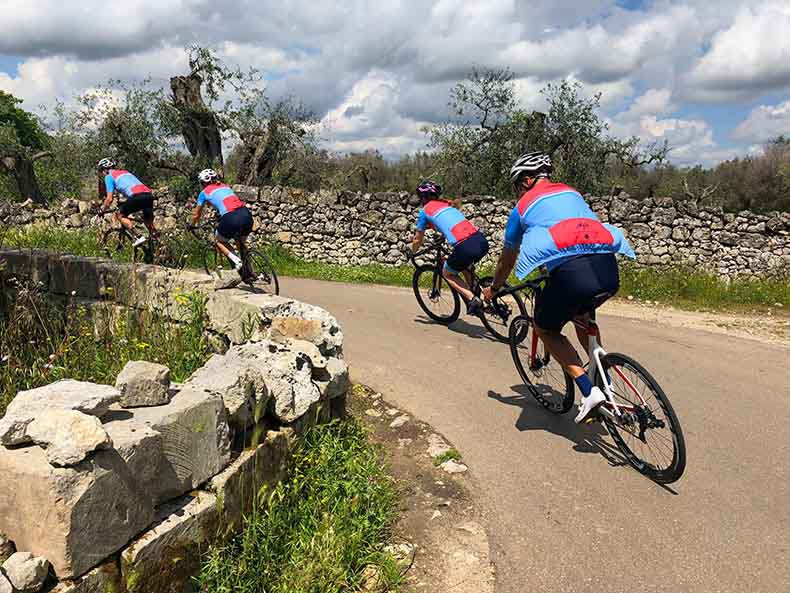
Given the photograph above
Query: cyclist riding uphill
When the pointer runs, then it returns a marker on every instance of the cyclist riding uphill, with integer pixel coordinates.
(235, 220)
(138, 197)
(553, 226)
(469, 244)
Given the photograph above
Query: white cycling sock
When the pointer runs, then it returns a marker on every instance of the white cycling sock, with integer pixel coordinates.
(235, 259)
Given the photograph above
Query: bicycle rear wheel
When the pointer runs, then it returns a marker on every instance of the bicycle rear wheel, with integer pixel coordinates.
(117, 246)
(544, 377)
(263, 276)
(498, 313)
(213, 262)
(439, 301)
(650, 437)
(170, 253)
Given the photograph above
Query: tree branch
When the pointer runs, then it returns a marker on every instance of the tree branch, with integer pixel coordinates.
(42, 155)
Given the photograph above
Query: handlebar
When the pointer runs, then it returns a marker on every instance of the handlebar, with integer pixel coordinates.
(534, 285)
(438, 244)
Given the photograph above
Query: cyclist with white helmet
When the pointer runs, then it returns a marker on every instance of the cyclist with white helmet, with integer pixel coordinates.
(138, 197)
(235, 220)
(468, 243)
(553, 226)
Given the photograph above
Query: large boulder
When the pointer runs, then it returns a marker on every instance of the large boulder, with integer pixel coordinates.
(68, 436)
(191, 444)
(288, 374)
(143, 383)
(105, 578)
(5, 584)
(68, 394)
(27, 573)
(74, 516)
(240, 484)
(167, 556)
(239, 383)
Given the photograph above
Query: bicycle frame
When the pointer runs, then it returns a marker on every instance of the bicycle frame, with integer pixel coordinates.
(610, 408)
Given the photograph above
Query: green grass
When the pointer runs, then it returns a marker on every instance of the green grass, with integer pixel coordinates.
(693, 289)
(677, 286)
(453, 454)
(43, 339)
(322, 527)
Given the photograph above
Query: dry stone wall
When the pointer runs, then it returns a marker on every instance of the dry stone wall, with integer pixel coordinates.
(118, 488)
(353, 228)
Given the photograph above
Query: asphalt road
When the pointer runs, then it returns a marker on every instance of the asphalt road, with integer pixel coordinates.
(561, 512)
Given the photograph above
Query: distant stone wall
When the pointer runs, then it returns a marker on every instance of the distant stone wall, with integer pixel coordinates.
(353, 228)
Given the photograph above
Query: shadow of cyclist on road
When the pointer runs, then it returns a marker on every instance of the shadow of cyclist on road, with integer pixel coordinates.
(463, 327)
(585, 438)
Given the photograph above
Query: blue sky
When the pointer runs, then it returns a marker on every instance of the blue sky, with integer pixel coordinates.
(711, 78)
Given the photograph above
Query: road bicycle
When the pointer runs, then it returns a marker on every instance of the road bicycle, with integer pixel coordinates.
(162, 249)
(442, 303)
(259, 270)
(637, 413)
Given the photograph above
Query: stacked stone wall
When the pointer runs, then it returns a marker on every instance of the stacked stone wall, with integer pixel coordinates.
(350, 228)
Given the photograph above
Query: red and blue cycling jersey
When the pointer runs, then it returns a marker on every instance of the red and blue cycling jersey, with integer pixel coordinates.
(449, 221)
(125, 183)
(552, 222)
(221, 197)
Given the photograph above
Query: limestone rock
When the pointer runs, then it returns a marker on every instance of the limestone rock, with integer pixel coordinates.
(339, 382)
(192, 445)
(239, 484)
(68, 436)
(241, 386)
(169, 552)
(88, 398)
(74, 516)
(27, 573)
(5, 584)
(7, 548)
(288, 375)
(143, 383)
(453, 467)
(102, 579)
(437, 445)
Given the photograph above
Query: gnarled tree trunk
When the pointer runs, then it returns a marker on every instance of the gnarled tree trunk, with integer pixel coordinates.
(21, 167)
(199, 125)
(260, 156)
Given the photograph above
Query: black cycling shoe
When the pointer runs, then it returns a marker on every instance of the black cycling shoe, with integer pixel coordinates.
(474, 307)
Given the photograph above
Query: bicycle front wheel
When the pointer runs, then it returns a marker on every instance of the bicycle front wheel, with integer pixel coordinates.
(262, 275)
(439, 301)
(648, 433)
(500, 311)
(544, 377)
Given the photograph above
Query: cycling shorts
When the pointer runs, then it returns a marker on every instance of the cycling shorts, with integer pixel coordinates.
(235, 224)
(467, 252)
(142, 202)
(578, 285)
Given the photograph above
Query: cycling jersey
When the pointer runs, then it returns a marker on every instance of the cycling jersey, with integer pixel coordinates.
(552, 222)
(447, 220)
(221, 197)
(125, 183)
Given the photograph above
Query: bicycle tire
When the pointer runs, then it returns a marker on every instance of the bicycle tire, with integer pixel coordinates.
(117, 246)
(677, 465)
(553, 388)
(263, 273)
(170, 253)
(211, 262)
(498, 313)
(434, 284)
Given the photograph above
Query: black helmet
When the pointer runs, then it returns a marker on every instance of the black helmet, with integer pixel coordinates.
(428, 189)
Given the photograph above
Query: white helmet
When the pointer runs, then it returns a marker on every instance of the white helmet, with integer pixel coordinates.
(531, 164)
(107, 163)
(208, 175)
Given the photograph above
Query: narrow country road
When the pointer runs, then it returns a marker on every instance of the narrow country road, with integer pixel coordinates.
(561, 513)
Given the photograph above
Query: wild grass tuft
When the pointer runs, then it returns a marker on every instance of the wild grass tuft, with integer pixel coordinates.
(450, 454)
(45, 338)
(322, 527)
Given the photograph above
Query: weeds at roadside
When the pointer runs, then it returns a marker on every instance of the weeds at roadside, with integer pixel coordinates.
(323, 529)
(45, 338)
(451, 454)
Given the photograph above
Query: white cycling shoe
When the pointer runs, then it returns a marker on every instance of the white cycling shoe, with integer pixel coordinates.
(139, 241)
(588, 405)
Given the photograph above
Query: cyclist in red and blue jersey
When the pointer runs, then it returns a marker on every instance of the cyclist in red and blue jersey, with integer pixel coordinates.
(235, 220)
(469, 244)
(553, 226)
(138, 197)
